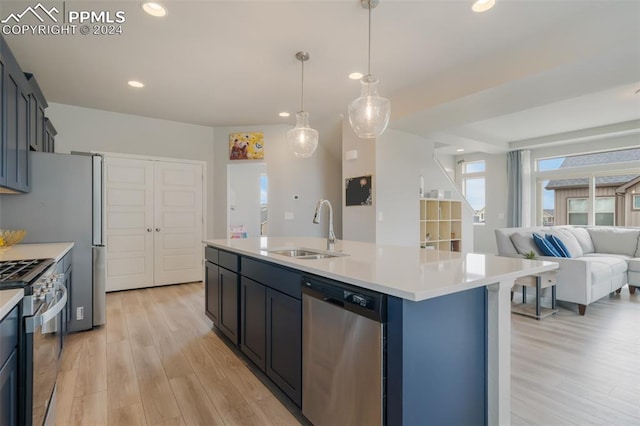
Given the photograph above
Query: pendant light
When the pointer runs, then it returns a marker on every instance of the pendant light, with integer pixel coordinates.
(302, 139)
(369, 114)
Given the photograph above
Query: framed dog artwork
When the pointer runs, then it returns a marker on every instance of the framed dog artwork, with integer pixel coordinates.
(246, 146)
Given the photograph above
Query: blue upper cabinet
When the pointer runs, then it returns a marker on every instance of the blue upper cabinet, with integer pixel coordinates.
(15, 119)
(37, 104)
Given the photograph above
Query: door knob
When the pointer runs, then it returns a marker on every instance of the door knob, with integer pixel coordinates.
(149, 229)
(157, 229)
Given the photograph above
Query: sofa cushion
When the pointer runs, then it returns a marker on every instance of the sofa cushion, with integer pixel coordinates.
(633, 278)
(569, 240)
(545, 246)
(616, 264)
(634, 265)
(608, 239)
(583, 238)
(523, 242)
(600, 272)
(558, 245)
(617, 256)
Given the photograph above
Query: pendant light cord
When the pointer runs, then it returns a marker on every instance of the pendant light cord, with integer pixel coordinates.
(302, 89)
(369, 64)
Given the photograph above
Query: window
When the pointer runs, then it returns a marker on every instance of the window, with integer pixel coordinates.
(474, 167)
(264, 211)
(612, 176)
(577, 211)
(606, 211)
(473, 187)
(596, 159)
(548, 205)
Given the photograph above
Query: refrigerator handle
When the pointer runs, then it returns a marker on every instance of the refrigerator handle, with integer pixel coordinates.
(98, 201)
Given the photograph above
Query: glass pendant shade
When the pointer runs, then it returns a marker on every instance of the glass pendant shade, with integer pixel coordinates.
(302, 139)
(369, 114)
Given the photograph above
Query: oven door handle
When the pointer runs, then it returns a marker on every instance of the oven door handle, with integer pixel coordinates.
(32, 323)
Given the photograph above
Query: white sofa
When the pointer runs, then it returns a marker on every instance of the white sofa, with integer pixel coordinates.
(603, 259)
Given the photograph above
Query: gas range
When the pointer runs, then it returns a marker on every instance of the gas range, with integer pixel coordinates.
(42, 330)
(22, 273)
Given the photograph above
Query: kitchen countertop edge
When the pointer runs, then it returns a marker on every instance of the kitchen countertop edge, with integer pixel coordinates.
(416, 296)
(30, 251)
(9, 299)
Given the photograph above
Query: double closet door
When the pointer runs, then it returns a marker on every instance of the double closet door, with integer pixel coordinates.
(153, 222)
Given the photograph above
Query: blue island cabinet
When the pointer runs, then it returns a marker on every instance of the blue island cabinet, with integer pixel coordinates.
(437, 360)
(9, 368)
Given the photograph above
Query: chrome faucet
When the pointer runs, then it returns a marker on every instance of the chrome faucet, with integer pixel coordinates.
(331, 238)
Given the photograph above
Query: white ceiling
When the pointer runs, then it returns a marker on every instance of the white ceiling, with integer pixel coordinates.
(523, 70)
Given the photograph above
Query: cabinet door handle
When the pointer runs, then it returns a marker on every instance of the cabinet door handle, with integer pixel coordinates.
(157, 229)
(149, 229)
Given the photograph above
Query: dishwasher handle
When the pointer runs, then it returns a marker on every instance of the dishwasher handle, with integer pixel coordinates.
(360, 301)
(334, 301)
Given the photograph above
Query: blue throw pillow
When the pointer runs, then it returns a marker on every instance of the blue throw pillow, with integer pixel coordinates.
(558, 245)
(545, 246)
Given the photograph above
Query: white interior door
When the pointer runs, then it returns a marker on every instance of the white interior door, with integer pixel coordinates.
(178, 222)
(129, 223)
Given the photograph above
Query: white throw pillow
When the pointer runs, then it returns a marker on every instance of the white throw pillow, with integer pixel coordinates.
(584, 239)
(608, 239)
(523, 241)
(569, 240)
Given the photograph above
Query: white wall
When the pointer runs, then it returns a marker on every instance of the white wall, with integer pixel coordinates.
(289, 177)
(85, 129)
(243, 196)
(400, 160)
(396, 160)
(358, 222)
(495, 200)
(449, 164)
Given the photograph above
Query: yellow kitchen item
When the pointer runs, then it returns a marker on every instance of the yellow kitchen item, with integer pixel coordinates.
(9, 237)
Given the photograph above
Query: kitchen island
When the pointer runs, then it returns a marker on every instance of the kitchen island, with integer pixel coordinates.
(447, 353)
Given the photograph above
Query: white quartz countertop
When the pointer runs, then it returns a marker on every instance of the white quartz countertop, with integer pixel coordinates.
(36, 251)
(409, 273)
(9, 299)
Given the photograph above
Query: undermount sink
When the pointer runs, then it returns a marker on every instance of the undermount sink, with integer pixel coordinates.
(303, 253)
(293, 252)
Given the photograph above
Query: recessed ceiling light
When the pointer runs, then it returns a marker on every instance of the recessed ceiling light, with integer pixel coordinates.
(355, 75)
(460, 150)
(483, 5)
(154, 9)
(284, 114)
(136, 84)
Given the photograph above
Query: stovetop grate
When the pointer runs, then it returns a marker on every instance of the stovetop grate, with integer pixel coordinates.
(25, 271)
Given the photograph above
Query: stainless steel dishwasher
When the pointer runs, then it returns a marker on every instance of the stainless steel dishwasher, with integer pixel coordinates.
(342, 354)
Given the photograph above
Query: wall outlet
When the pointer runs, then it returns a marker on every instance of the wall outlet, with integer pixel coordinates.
(80, 313)
(289, 216)
(380, 216)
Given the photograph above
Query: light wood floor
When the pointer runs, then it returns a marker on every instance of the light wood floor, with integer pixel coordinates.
(574, 370)
(157, 362)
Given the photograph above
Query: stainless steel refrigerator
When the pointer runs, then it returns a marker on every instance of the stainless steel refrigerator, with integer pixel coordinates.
(65, 204)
